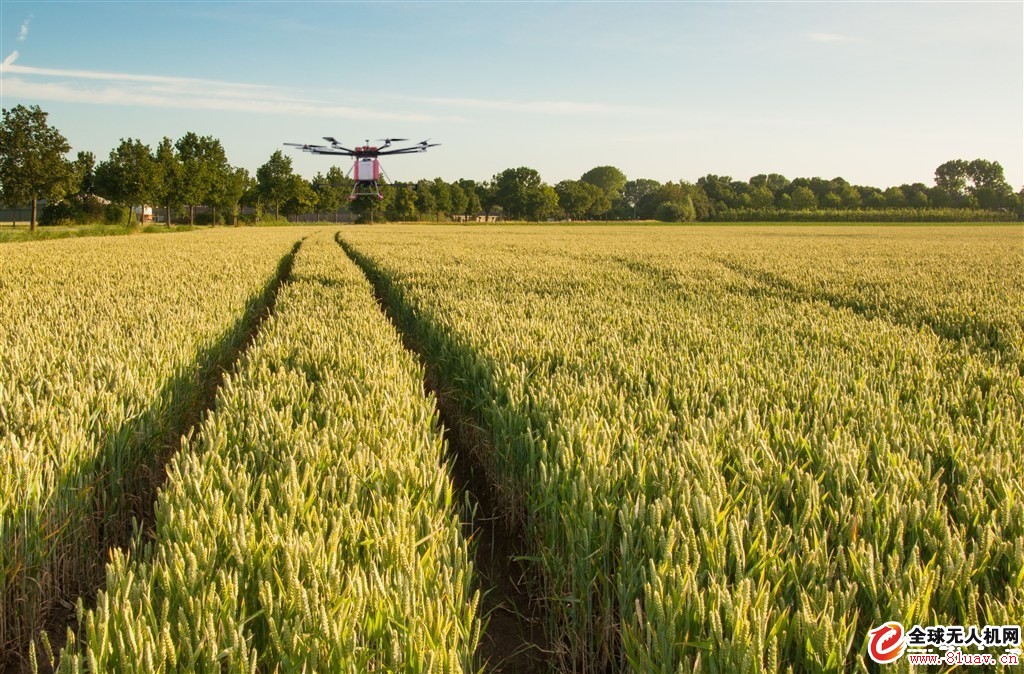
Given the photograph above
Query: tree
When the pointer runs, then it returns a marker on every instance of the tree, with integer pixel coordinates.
(403, 206)
(442, 197)
(425, 199)
(221, 175)
(676, 211)
(988, 184)
(601, 204)
(719, 189)
(203, 168)
(635, 190)
(459, 199)
(32, 161)
(700, 200)
(472, 191)
(820, 187)
(850, 196)
(236, 183)
(129, 176)
(274, 180)
(300, 196)
(951, 177)
(85, 173)
(895, 198)
(803, 199)
(328, 194)
(542, 203)
(340, 187)
(576, 198)
(191, 183)
(519, 192)
(939, 198)
(609, 180)
(916, 194)
(761, 197)
(872, 197)
(473, 203)
(168, 169)
(581, 200)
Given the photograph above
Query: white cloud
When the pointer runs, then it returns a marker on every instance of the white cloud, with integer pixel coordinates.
(190, 93)
(122, 95)
(23, 32)
(106, 88)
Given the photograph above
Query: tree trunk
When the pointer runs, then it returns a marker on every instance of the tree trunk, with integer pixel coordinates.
(32, 227)
(192, 216)
(131, 216)
(277, 210)
(167, 209)
(213, 220)
(318, 216)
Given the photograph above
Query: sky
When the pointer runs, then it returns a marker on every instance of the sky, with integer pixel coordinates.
(879, 93)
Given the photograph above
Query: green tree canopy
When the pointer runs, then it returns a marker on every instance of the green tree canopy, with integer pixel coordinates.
(85, 173)
(442, 197)
(169, 177)
(203, 170)
(895, 198)
(459, 199)
(329, 193)
(33, 165)
(473, 198)
(635, 190)
(426, 200)
(300, 196)
(542, 203)
(273, 180)
(803, 198)
(129, 176)
(236, 183)
(403, 206)
(951, 176)
(575, 197)
(761, 197)
(609, 180)
(676, 211)
(522, 194)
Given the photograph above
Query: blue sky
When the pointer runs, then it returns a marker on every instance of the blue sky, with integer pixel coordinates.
(877, 92)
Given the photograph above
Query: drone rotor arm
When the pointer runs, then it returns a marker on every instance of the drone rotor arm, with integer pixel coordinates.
(403, 150)
(320, 149)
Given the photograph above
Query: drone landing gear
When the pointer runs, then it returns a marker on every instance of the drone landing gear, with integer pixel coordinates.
(368, 188)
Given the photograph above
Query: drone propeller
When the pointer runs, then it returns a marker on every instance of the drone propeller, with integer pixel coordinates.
(332, 140)
(391, 140)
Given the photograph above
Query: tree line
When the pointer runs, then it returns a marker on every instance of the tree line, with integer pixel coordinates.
(179, 175)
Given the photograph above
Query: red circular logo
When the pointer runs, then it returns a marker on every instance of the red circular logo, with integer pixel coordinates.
(886, 643)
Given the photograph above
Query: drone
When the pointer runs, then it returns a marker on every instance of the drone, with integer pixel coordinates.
(366, 167)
